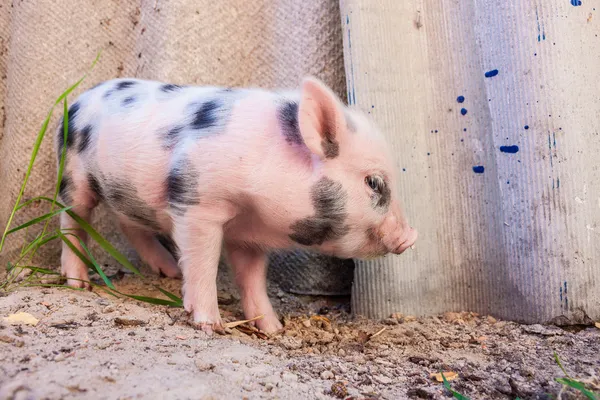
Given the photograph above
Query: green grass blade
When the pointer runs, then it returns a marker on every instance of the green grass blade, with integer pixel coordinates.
(53, 285)
(36, 148)
(117, 255)
(74, 86)
(61, 164)
(44, 271)
(171, 296)
(97, 237)
(38, 219)
(454, 393)
(39, 243)
(153, 300)
(577, 386)
(560, 365)
(28, 202)
(89, 261)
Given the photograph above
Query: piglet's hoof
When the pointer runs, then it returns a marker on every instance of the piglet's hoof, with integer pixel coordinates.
(208, 328)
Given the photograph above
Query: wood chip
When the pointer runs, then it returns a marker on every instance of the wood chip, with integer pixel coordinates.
(597, 325)
(379, 332)
(129, 322)
(21, 318)
(449, 375)
(237, 323)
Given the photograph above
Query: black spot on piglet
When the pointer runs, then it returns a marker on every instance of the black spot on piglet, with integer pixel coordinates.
(73, 111)
(128, 101)
(84, 138)
(169, 87)
(329, 200)
(169, 244)
(95, 187)
(124, 85)
(206, 115)
(65, 188)
(182, 187)
(288, 119)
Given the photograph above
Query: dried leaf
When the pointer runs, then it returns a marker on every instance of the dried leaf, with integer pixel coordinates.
(236, 323)
(21, 318)
(449, 375)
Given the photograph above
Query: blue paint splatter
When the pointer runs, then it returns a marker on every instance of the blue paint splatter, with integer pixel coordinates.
(462, 140)
(403, 169)
(478, 169)
(352, 94)
(428, 154)
(491, 73)
(560, 291)
(508, 182)
(558, 183)
(509, 149)
(372, 105)
(575, 3)
(436, 131)
(526, 127)
(464, 129)
(460, 99)
(541, 31)
(463, 111)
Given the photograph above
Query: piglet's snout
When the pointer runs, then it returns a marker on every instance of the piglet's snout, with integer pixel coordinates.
(397, 234)
(406, 241)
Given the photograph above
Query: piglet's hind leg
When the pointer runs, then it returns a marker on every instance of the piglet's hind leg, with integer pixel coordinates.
(250, 268)
(151, 250)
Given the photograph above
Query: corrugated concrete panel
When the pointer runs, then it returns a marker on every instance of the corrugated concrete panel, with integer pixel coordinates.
(493, 110)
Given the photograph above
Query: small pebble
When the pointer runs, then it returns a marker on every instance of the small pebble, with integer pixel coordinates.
(269, 387)
(390, 321)
(60, 357)
(289, 377)
(204, 366)
(384, 380)
(108, 309)
(306, 323)
(327, 375)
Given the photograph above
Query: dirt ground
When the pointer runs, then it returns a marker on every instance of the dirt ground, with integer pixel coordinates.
(90, 345)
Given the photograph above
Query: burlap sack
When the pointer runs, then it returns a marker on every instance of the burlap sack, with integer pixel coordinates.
(47, 45)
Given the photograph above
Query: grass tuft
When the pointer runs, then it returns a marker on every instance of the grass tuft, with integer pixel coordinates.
(573, 383)
(21, 273)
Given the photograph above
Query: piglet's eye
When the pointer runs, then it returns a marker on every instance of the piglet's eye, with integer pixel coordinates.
(374, 182)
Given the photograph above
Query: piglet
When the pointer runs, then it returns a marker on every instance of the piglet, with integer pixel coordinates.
(244, 170)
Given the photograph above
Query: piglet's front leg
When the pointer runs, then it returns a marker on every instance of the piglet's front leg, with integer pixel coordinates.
(200, 244)
(250, 268)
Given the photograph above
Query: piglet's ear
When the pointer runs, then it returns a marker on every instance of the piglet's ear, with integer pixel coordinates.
(321, 119)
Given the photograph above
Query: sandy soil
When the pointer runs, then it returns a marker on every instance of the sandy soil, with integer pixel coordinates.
(92, 346)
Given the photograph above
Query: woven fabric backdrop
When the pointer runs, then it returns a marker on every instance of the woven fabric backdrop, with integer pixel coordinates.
(47, 45)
